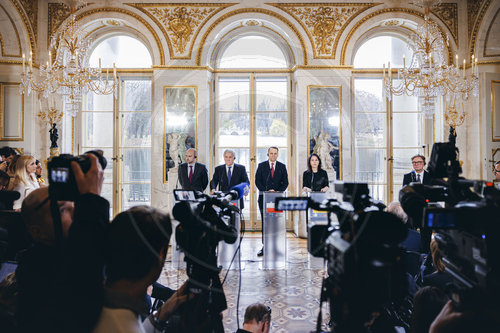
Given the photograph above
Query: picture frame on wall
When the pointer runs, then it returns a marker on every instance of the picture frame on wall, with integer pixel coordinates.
(180, 114)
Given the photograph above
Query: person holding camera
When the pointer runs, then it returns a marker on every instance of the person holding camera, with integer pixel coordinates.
(24, 179)
(60, 279)
(193, 175)
(314, 179)
(7, 155)
(418, 174)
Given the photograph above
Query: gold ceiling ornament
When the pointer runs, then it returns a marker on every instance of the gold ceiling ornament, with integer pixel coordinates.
(392, 23)
(180, 23)
(473, 7)
(448, 14)
(453, 115)
(31, 9)
(324, 22)
(65, 73)
(58, 12)
(252, 23)
(428, 75)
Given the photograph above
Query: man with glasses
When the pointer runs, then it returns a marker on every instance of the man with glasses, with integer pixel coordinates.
(418, 174)
(257, 319)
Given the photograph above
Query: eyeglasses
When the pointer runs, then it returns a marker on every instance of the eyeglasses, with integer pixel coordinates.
(417, 162)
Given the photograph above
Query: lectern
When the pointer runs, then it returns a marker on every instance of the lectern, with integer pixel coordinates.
(225, 251)
(274, 233)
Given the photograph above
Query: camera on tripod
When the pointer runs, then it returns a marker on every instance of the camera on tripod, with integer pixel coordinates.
(366, 267)
(467, 229)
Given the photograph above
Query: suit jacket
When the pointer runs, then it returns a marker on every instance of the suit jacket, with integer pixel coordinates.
(412, 177)
(200, 177)
(238, 176)
(319, 180)
(265, 182)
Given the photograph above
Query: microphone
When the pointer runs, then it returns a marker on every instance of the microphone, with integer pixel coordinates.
(238, 191)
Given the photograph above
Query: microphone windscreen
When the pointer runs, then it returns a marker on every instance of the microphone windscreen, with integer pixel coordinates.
(242, 189)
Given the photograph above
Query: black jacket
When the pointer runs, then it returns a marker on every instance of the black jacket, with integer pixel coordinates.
(238, 176)
(412, 177)
(319, 180)
(200, 177)
(265, 182)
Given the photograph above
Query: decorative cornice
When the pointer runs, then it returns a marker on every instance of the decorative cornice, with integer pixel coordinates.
(180, 23)
(473, 7)
(31, 9)
(448, 14)
(133, 15)
(251, 10)
(381, 12)
(324, 22)
(57, 13)
(11, 62)
(28, 27)
(477, 24)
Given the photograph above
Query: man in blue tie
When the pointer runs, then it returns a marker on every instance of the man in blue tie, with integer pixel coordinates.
(228, 174)
(271, 176)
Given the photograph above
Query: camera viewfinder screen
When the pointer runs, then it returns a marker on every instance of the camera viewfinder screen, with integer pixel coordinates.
(441, 219)
(59, 175)
(292, 204)
(184, 195)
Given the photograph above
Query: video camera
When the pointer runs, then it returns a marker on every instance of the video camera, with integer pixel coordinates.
(366, 267)
(467, 229)
(61, 178)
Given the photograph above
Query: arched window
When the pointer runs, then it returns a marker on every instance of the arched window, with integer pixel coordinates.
(387, 133)
(124, 51)
(252, 51)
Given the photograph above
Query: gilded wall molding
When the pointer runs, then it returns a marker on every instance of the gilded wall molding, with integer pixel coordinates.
(448, 14)
(57, 13)
(477, 24)
(31, 9)
(251, 10)
(133, 15)
(17, 37)
(29, 29)
(488, 36)
(324, 22)
(473, 7)
(381, 12)
(180, 23)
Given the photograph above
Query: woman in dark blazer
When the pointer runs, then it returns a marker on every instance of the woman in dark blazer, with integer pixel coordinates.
(314, 178)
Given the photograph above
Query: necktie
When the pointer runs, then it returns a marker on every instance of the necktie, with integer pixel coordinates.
(190, 173)
(229, 176)
(272, 170)
(418, 178)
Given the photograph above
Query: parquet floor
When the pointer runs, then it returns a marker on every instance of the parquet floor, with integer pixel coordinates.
(292, 293)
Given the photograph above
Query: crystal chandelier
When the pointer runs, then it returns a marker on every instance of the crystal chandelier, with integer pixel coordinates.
(66, 74)
(428, 76)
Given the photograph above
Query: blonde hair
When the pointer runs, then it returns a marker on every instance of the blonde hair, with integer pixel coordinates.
(437, 258)
(21, 175)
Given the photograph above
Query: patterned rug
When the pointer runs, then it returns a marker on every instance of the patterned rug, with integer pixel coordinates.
(292, 293)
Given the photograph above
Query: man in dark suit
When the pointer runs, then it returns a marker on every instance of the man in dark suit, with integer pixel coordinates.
(229, 174)
(271, 176)
(193, 175)
(418, 174)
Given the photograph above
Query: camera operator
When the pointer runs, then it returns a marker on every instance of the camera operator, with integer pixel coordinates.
(137, 247)
(60, 283)
(7, 154)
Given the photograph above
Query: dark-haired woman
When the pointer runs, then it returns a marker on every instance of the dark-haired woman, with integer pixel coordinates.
(314, 178)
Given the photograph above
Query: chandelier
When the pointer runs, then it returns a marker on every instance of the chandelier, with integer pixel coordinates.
(66, 74)
(427, 75)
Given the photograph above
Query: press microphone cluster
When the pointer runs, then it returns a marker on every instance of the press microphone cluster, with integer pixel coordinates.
(237, 192)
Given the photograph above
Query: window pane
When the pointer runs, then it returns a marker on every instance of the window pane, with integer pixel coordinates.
(369, 95)
(234, 130)
(135, 195)
(233, 94)
(136, 95)
(124, 51)
(404, 102)
(402, 163)
(271, 129)
(136, 129)
(97, 129)
(107, 193)
(96, 102)
(370, 129)
(271, 94)
(370, 165)
(253, 52)
(377, 51)
(136, 164)
(406, 129)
